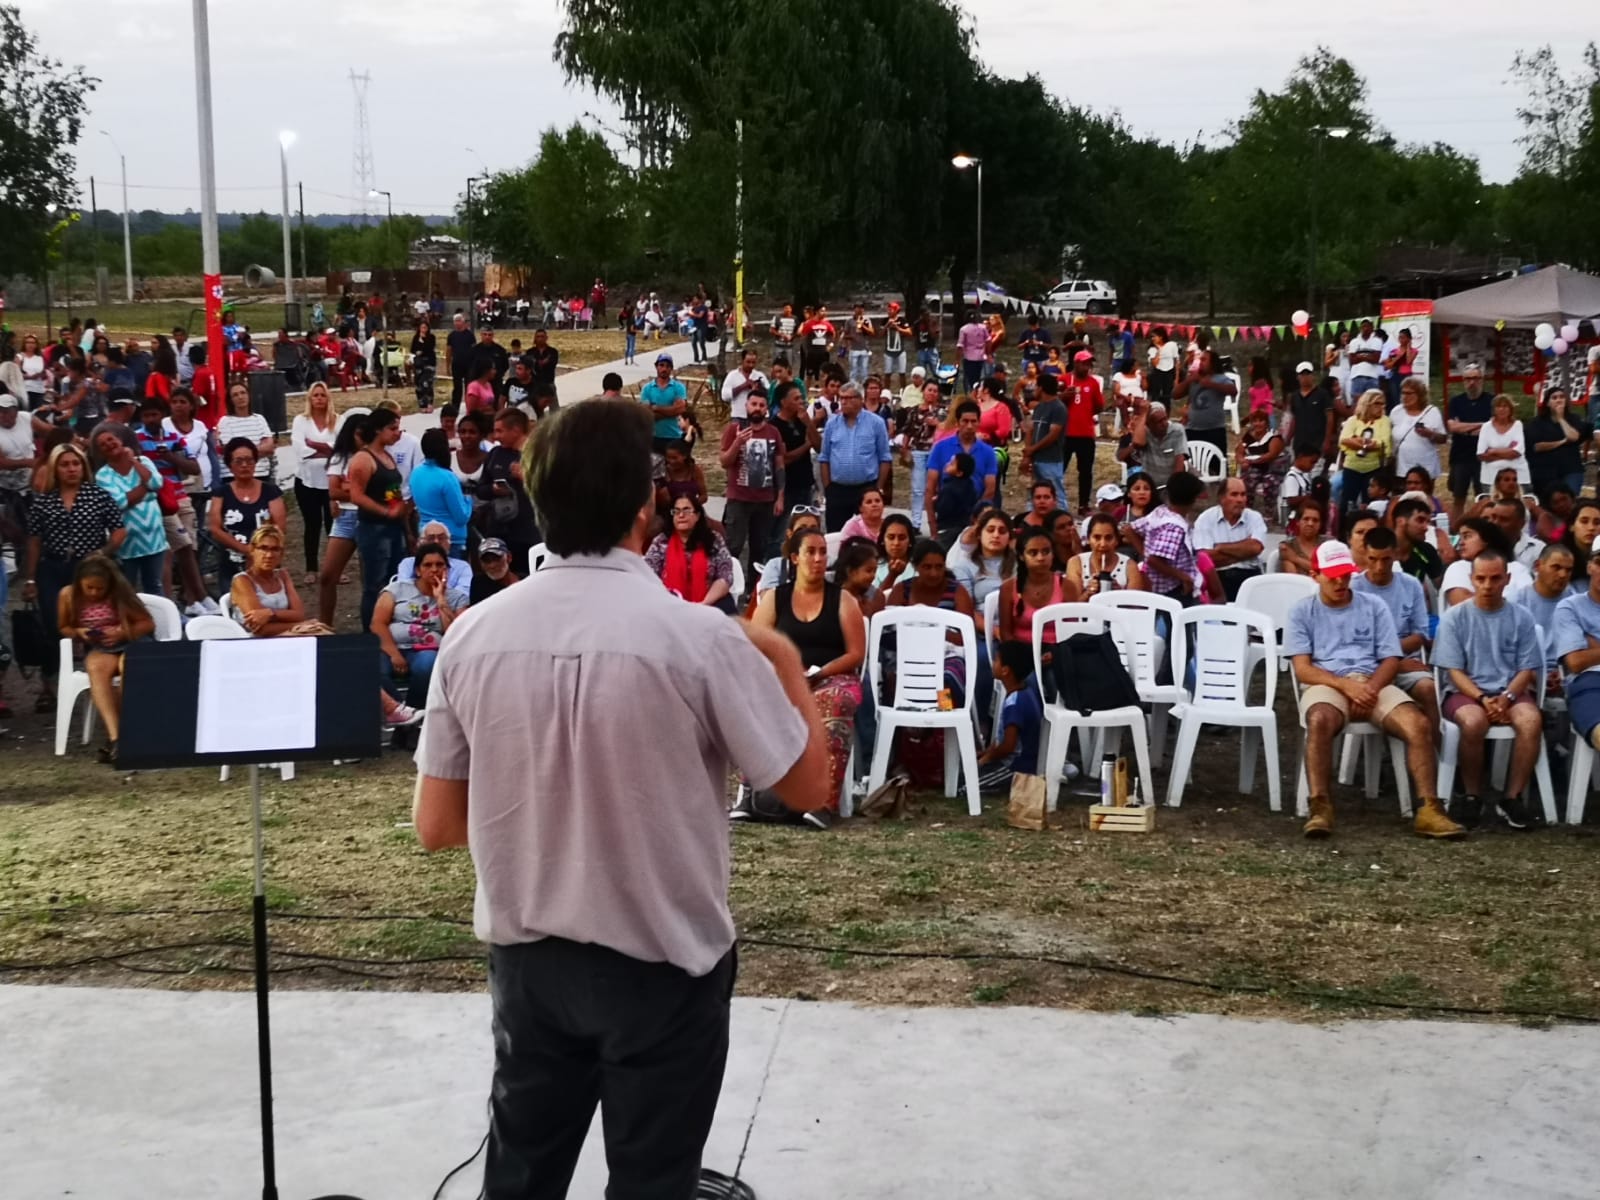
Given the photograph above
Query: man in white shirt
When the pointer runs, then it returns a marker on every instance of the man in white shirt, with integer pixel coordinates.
(1235, 535)
(736, 388)
(1366, 370)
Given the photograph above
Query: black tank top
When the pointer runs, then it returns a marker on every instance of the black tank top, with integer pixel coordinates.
(820, 640)
(382, 487)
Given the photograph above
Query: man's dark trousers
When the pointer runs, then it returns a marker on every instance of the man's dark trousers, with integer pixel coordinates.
(576, 1025)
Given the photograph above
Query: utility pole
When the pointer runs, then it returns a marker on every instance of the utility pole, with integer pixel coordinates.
(94, 229)
(738, 245)
(127, 225)
(210, 255)
(472, 307)
(285, 140)
(304, 274)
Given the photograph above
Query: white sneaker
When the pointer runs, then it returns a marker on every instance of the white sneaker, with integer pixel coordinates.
(195, 610)
(210, 607)
(403, 716)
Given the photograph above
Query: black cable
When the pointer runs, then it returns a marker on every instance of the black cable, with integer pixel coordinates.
(466, 1162)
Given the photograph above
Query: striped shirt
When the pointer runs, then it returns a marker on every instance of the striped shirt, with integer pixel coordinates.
(146, 534)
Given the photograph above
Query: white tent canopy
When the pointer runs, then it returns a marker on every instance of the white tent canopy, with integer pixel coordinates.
(1557, 295)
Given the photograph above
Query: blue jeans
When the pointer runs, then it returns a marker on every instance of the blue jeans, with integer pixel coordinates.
(697, 342)
(420, 663)
(860, 365)
(928, 360)
(919, 488)
(1054, 474)
(381, 545)
(629, 342)
(144, 572)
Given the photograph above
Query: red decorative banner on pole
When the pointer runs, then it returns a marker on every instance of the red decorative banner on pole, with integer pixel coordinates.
(216, 351)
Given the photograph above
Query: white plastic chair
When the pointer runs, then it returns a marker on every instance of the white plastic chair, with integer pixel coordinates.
(991, 639)
(1230, 404)
(1583, 773)
(169, 622)
(70, 684)
(1150, 650)
(834, 540)
(1069, 619)
(536, 557)
(1220, 637)
(738, 580)
(1369, 733)
(1497, 746)
(920, 640)
(1207, 463)
(1273, 594)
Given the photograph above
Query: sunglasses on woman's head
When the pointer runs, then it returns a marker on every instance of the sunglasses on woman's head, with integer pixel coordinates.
(806, 509)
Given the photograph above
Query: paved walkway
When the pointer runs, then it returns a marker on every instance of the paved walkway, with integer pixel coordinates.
(147, 1095)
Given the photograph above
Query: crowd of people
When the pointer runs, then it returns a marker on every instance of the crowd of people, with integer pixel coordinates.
(121, 458)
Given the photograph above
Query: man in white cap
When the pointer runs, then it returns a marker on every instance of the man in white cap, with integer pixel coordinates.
(1346, 655)
(1235, 535)
(1312, 407)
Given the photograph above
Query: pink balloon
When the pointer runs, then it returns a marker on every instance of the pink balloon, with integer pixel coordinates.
(1569, 334)
(1559, 345)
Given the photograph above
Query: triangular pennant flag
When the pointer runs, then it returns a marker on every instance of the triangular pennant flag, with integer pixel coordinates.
(1264, 332)
(1233, 332)
(1282, 330)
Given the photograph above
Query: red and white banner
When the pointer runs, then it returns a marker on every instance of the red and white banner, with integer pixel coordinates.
(1417, 316)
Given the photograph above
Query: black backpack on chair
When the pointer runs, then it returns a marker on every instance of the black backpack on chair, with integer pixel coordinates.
(1090, 675)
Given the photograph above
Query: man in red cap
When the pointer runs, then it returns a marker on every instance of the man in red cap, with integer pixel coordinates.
(1346, 654)
(896, 329)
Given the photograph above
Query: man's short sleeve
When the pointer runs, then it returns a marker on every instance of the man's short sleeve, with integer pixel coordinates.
(1297, 637)
(442, 748)
(1416, 607)
(1205, 530)
(1566, 631)
(1530, 655)
(1385, 637)
(747, 712)
(1449, 649)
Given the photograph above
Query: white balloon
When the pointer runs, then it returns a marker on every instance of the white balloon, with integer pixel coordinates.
(1544, 330)
(1559, 345)
(1300, 317)
(1569, 334)
(1544, 338)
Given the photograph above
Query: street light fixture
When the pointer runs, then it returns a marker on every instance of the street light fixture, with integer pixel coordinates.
(127, 227)
(472, 306)
(962, 162)
(285, 140)
(1324, 132)
(389, 198)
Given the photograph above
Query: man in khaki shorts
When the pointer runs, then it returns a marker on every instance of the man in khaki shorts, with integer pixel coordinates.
(1346, 654)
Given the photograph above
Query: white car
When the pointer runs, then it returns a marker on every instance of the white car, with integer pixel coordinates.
(1093, 296)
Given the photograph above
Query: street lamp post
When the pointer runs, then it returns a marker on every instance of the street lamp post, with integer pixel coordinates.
(1323, 132)
(127, 227)
(961, 162)
(389, 201)
(285, 140)
(472, 308)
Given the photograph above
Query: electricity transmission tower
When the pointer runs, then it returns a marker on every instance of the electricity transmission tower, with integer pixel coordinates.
(362, 176)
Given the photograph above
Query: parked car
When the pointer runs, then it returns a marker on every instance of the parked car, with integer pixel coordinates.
(943, 300)
(1094, 296)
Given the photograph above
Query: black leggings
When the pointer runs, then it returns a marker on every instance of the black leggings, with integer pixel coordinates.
(318, 516)
(1083, 447)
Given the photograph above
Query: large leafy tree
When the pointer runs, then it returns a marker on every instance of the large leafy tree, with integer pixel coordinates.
(42, 103)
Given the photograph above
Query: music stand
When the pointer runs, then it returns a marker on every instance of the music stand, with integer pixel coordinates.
(209, 703)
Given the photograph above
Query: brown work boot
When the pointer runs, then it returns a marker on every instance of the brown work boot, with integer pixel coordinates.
(1431, 821)
(1320, 824)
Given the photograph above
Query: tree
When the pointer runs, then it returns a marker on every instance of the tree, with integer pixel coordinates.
(42, 104)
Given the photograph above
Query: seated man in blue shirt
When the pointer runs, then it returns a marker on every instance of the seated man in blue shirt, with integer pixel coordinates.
(1346, 655)
(1404, 598)
(1490, 653)
(986, 466)
(1575, 638)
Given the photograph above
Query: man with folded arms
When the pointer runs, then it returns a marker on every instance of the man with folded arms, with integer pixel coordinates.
(1346, 655)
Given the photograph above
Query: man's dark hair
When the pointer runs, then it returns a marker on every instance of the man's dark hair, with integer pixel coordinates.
(1382, 538)
(1406, 509)
(513, 417)
(1047, 384)
(1553, 549)
(1016, 657)
(611, 382)
(1183, 489)
(781, 392)
(1490, 554)
(451, 410)
(588, 472)
(436, 448)
(781, 361)
(1361, 514)
(968, 406)
(965, 465)
(1490, 534)
(834, 372)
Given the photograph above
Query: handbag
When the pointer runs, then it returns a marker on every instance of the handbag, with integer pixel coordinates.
(170, 496)
(29, 645)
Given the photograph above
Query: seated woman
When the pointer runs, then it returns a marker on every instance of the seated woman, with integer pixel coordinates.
(1477, 535)
(982, 558)
(1555, 512)
(868, 521)
(1262, 462)
(1103, 566)
(241, 506)
(825, 624)
(1036, 584)
(778, 569)
(268, 605)
(1296, 551)
(693, 560)
(1141, 502)
(1063, 530)
(411, 618)
(1506, 487)
(101, 613)
(856, 570)
(680, 476)
(895, 540)
(933, 585)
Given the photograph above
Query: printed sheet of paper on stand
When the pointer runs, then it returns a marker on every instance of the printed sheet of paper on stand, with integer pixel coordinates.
(257, 695)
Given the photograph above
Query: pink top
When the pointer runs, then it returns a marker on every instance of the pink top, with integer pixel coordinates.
(1022, 627)
(994, 426)
(973, 339)
(1261, 396)
(856, 527)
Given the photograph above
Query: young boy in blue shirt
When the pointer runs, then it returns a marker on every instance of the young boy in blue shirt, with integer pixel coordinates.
(1016, 749)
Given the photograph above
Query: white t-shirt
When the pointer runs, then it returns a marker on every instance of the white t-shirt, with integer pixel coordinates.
(33, 371)
(1128, 385)
(1165, 356)
(195, 443)
(1412, 448)
(311, 471)
(1594, 365)
(736, 400)
(407, 453)
(1459, 575)
(1211, 529)
(1358, 370)
(17, 442)
(1490, 438)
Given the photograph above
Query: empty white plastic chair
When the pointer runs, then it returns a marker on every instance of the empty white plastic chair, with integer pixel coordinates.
(1231, 404)
(1583, 773)
(1219, 637)
(991, 639)
(738, 580)
(1497, 747)
(1150, 651)
(536, 557)
(920, 640)
(169, 622)
(200, 629)
(834, 540)
(1273, 595)
(1207, 462)
(1069, 619)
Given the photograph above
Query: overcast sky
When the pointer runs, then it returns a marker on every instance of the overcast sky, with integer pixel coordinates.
(478, 73)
